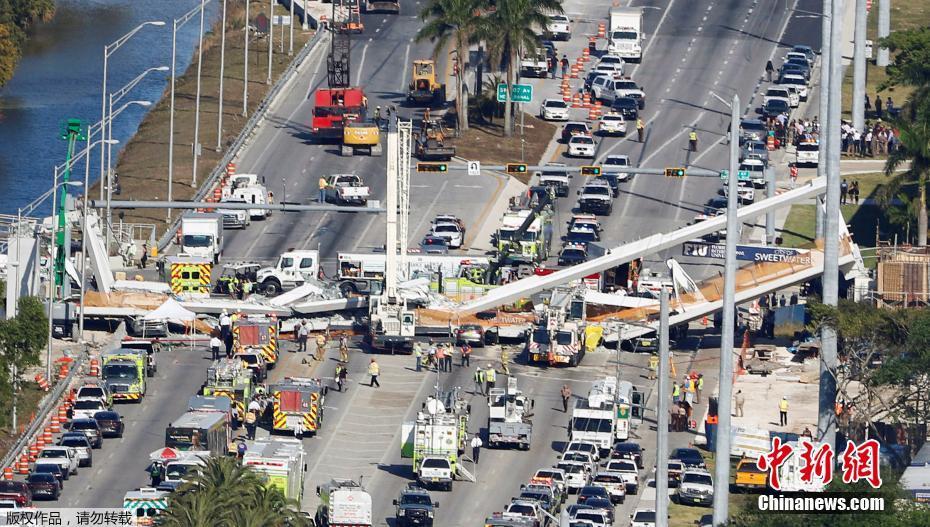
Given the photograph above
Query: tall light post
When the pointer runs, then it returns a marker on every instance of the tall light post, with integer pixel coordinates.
(270, 38)
(724, 396)
(245, 64)
(107, 51)
(219, 113)
(858, 98)
(113, 98)
(50, 285)
(290, 46)
(662, 414)
(197, 100)
(884, 29)
(178, 22)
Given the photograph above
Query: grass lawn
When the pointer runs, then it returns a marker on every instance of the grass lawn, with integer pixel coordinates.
(904, 15)
(686, 515)
(486, 143)
(29, 397)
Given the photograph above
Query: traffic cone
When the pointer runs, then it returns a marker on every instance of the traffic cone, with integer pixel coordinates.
(42, 381)
(56, 424)
(576, 101)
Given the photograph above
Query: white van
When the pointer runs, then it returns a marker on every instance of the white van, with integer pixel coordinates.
(253, 194)
(808, 153)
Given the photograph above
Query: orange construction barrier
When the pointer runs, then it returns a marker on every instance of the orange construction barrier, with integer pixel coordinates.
(33, 452)
(230, 169)
(94, 368)
(704, 320)
(62, 413)
(601, 30)
(566, 97)
(47, 436)
(22, 466)
(62, 371)
(40, 443)
(8, 473)
(576, 101)
(585, 55)
(56, 424)
(586, 98)
(42, 381)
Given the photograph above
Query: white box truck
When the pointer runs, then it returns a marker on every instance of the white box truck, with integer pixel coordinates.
(281, 461)
(343, 503)
(625, 33)
(202, 235)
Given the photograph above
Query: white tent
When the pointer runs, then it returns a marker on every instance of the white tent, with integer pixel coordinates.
(171, 310)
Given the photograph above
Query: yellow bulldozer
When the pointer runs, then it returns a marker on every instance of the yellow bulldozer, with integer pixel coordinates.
(423, 87)
(360, 134)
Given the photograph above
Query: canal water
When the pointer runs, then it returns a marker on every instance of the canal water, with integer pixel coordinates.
(60, 77)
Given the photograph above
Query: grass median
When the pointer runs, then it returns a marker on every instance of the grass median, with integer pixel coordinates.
(485, 142)
(143, 164)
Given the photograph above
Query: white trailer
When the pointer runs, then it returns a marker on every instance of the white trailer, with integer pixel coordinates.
(364, 273)
(625, 33)
(202, 235)
(343, 503)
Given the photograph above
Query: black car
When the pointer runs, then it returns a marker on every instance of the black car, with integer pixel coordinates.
(574, 128)
(602, 505)
(775, 107)
(628, 450)
(689, 457)
(53, 469)
(592, 491)
(17, 491)
(110, 423)
(91, 429)
(572, 255)
(414, 507)
(628, 107)
(44, 484)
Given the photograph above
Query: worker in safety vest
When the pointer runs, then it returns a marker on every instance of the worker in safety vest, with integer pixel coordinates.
(676, 392)
(323, 186)
(374, 370)
(490, 377)
(320, 346)
(692, 141)
(783, 411)
(505, 361)
(479, 381)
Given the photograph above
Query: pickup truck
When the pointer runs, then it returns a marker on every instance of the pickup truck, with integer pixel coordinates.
(527, 509)
(626, 469)
(613, 483)
(534, 64)
(347, 189)
(596, 198)
(85, 408)
(559, 27)
(749, 476)
(435, 470)
(63, 456)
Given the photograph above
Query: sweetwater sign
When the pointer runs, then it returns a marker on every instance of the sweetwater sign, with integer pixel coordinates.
(749, 253)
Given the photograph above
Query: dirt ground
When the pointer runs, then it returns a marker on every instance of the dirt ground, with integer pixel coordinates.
(143, 164)
(486, 143)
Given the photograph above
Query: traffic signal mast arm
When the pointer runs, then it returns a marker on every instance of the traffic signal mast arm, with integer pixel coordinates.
(689, 171)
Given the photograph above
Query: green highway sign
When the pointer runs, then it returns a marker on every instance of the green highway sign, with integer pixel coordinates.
(741, 175)
(518, 92)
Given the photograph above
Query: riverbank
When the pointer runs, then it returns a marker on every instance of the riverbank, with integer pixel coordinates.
(16, 19)
(143, 164)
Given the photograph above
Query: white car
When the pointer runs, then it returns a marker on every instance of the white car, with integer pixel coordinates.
(451, 232)
(798, 81)
(612, 123)
(81, 445)
(560, 27)
(756, 169)
(85, 408)
(798, 55)
(781, 93)
(576, 474)
(745, 191)
(586, 447)
(583, 457)
(615, 164)
(63, 456)
(9, 504)
(581, 146)
(613, 483)
(557, 476)
(615, 62)
(553, 110)
(643, 518)
(590, 518)
(628, 471)
(697, 487)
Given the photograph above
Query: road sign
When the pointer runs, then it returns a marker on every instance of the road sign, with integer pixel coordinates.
(474, 168)
(741, 175)
(749, 253)
(282, 20)
(518, 92)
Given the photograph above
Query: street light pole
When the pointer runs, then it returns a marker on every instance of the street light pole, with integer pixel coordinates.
(884, 29)
(270, 38)
(826, 45)
(219, 121)
(197, 100)
(290, 46)
(858, 98)
(245, 65)
(662, 416)
(722, 451)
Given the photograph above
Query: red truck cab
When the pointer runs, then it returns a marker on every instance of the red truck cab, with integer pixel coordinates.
(333, 107)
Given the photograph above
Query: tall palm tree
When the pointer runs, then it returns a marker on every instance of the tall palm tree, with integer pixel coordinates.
(914, 146)
(512, 29)
(452, 22)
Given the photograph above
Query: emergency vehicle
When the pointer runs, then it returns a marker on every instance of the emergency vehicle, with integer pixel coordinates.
(364, 273)
(298, 405)
(188, 275)
(533, 246)
(230, 378)
(257, 333)
(145, 504)
(436, 441)
(123, 372)
(343, 503)
(282, 464)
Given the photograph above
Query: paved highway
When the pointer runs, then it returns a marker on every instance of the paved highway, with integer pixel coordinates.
(693, 47)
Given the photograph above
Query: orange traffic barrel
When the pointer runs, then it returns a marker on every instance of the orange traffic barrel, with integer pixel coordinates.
(8, 473)
(42, 381)
(22, 466)
(56, 424)
(47, 436)
(576, 101)
(33, 451)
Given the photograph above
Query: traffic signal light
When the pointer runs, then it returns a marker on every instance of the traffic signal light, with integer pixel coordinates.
(591, 170)
(636, 403)
(675, 172)
(516, 168)
(432, 167)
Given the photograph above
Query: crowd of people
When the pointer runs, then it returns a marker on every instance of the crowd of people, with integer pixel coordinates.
(876, 139)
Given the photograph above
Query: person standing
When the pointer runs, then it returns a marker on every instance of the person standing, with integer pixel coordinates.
(323, 184)
(782, 301)
(692, 141)
(889, 106)
(783, 411)
(225, 325)
(251, 417)
(878, 106)
(466, 355)
(676, 392)
(440, 358)
(155, 473)
(490, 377)
(868, 104)
(374, 370)
(215, 344)
(505, 361)
(145, 256)
(320, 346)
(479, 381)
(640, 129)
(855, 192)
(338, 377)
(566, 394)
(418, 355)
(844, 191)
(450, 356)
(476, 447)
(700, 388)
(303, 332)
(793, 174)
(769, 70)
(739, 400)
(343, 349)
(343, 377)
(564, 63)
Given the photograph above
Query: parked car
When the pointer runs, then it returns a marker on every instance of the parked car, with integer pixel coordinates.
(471, 333)
(453, 234)
(434, 245)
(109, 423)
(626, 106)
(592, 491)
(44, 484)
(689, 457)
(53, 469)
(643, 518)
(553, 110)
(697, 487)
(581, 146)
(86, 408)
(573, 128)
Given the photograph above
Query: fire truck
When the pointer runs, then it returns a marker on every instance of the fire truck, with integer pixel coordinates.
(257, 333)
(298, 405)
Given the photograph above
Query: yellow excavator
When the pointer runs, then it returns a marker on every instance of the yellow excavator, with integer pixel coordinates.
(359, 134)
(423, 88)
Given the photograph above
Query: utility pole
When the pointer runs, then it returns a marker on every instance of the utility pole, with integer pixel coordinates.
(858, 98)
(884, 29)
(825, 88)
(826, 420)
(270, 38)
(770, 215)
(662, 415)
(290, 46)
(197, 101)
(305, 26)
(722, 451)
(245, 65)
(219, 113)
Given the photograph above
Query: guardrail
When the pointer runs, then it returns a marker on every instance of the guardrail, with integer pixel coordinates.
(257, 116)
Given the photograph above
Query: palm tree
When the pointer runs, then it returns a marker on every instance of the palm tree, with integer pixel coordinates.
(223, 493)
(512, 29)
(455, 22)
(914, 146)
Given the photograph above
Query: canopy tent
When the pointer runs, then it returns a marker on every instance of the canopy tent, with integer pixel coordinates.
(171, 310)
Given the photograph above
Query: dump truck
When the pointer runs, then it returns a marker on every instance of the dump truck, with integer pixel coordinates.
(430, 142)
(230, 378)
(123, 372)
(257, 333)
(343, 503)
(509, 416)
(145, 504)
(282, 464)
(424, 88)
(437, 439)
(298, 405)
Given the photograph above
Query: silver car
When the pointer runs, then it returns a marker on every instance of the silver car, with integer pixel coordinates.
(79, 442)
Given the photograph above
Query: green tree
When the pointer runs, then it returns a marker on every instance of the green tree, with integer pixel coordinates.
(913, 146)
(16, 16)
(509, 31)
(910, 51)
(223, 493)
(22, 339)
(452, 22)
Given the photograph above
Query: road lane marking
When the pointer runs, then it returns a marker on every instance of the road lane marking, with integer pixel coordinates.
(428, 209)
(403, 78)
(361, 65)
(472, 232)
(364, 232)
